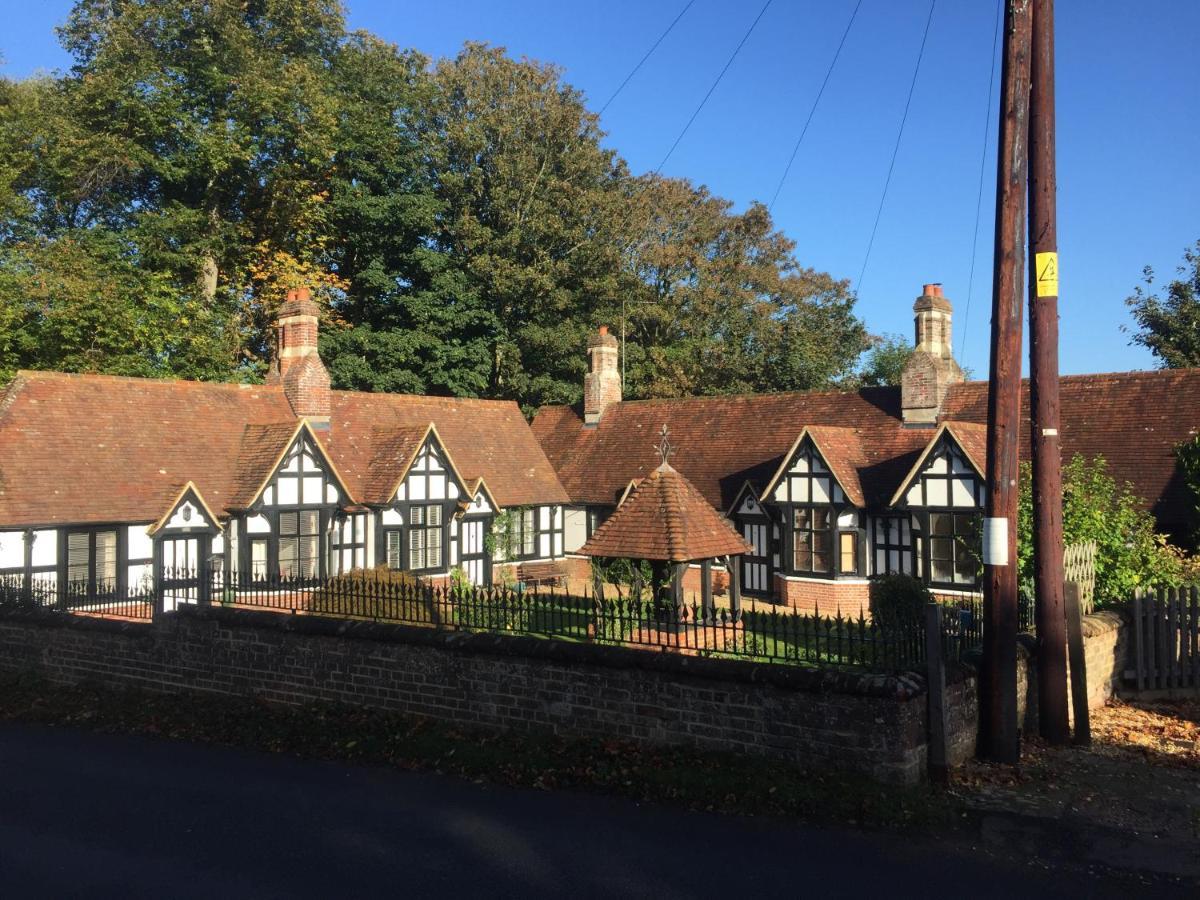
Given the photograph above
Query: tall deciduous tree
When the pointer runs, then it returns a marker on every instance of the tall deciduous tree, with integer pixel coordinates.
(527, 208)
(221, 113)
(717, 302)
(1169, 326)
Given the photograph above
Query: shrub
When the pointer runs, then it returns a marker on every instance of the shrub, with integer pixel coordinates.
(1129, 553)
(370, 593)
(898, 602)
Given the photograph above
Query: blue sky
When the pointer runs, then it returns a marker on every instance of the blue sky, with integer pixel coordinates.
(1129, 131)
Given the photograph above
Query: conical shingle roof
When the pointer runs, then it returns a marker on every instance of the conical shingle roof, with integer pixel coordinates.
(665, 518)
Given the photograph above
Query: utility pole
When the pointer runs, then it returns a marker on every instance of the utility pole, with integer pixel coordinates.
(998, 690)
(1050, 611)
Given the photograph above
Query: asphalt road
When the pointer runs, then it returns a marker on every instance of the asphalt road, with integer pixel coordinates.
(86, 815)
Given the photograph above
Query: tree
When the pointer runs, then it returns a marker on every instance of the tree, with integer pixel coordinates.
(83, 302)
(1169, 327)
(528, 206)
(221, 120)
(463, 222)
(415, 323)
(717, 302)
(885, 361)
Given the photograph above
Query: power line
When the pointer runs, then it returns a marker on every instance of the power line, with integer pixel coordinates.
(987, 122)
(728, 63)
(896, 150)
(649, 53)
(812, 112)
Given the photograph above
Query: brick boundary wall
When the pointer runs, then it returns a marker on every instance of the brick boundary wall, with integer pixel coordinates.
(868, 723)
(873, 724)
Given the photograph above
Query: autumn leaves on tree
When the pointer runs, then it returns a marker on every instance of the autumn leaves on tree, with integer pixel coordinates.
(462, 222)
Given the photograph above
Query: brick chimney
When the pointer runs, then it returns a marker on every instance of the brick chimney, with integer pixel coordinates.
(297, 365)
(932, 369)
(602, 384)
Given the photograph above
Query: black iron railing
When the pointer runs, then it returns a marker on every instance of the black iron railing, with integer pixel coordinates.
(760, 633)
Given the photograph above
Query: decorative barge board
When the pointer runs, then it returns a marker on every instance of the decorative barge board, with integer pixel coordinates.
(418, 528)
(874, 488)
(761, 533)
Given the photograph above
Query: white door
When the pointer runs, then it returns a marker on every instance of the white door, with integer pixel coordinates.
(473, 558)
(180, 571)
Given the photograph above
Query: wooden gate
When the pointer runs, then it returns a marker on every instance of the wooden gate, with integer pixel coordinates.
(1166, 639)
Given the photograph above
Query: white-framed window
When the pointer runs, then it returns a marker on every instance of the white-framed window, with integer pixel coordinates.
(92, 561)
(299, 543)
(522, 532)
(425, 538)
(812, 539)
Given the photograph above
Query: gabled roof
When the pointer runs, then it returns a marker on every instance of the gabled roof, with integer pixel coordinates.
(723, 442)
(843, 454)
(665, 518)
(100, 448)
(263, 449)
(188, 489)
(1134, 419)
(395, 452)
(971, 439)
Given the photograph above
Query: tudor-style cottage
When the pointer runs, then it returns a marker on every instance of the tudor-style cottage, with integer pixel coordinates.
(111, 483)
(832, 487)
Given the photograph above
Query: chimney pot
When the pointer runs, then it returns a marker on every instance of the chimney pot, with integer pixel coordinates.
(932, 290)
(604, 329)
(303, 295)
(291, 295)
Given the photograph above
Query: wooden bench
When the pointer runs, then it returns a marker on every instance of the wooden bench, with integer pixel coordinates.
(550, 574)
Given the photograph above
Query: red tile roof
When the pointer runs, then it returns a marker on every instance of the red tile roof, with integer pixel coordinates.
(1134, 419)
(665, 518)
(98, 448)
(722, 442)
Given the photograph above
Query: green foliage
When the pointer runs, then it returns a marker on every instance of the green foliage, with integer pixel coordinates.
(82, 302)
(1169, 327)
(885, 361)
(378, 593)
(1188, 454)
(898, 602)
(1129, 553)
(462, 221)
(631, 577)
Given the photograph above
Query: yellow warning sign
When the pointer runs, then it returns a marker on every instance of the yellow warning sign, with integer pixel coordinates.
(1046, 266)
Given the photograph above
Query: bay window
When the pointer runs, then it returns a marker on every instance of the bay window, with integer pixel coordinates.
(812, 539)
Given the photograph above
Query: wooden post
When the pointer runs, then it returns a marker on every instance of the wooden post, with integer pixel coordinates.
(706, 589)
(1043, 385)
(735, 586)
(998, 687)
(935, 676)
(1079, 691)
